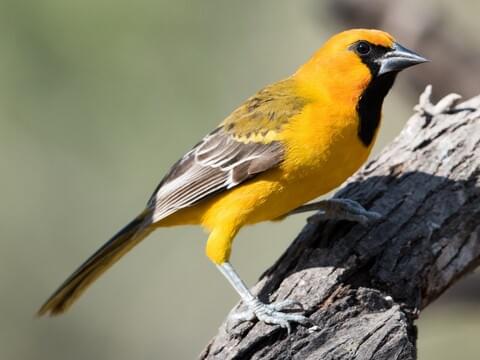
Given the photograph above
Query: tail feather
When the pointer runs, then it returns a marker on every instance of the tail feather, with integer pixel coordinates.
(96, 265)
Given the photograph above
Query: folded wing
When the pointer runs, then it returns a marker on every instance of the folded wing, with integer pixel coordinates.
(245, 145)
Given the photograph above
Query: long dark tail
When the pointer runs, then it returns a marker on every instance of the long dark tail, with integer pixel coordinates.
(96, 265)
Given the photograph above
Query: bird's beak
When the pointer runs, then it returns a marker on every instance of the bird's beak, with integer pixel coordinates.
(398, 59)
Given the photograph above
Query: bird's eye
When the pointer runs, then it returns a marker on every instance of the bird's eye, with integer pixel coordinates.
(363, 48)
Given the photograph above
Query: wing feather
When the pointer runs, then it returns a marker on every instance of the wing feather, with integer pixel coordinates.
(230, 155)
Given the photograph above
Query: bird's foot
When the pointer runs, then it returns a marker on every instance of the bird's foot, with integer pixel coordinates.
(345, 209)
(274, 314)
(446, 105)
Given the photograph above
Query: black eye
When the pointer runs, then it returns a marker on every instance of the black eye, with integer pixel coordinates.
(363, 48)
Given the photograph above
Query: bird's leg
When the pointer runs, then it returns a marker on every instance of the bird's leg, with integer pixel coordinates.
(268, 313)
(338, 209)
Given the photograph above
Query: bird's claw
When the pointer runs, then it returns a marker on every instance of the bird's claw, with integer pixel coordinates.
(346, 209)
(356, 212)
(287, 304)
(273, 313)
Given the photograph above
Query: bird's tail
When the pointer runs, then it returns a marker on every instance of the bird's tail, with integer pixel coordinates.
(96, 265)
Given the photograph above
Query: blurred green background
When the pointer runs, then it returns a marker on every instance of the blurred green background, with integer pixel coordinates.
(97, 100)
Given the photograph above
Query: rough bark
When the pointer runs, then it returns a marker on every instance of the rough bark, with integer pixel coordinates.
(365, 286)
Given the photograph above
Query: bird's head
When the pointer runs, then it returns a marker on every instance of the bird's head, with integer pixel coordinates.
(357, 57)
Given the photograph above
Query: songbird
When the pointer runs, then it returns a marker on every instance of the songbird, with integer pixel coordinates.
(286, 145)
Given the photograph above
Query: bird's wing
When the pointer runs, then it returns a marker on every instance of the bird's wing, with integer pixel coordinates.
(245, 144)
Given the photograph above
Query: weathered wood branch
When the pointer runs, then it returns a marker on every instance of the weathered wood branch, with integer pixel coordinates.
(364, 287)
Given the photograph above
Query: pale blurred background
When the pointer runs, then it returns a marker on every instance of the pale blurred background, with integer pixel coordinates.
(99, 98)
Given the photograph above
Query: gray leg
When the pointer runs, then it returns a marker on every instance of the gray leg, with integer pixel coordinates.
(268, 313)
(338, 209)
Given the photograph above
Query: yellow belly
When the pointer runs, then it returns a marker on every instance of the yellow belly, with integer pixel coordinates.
(317, 160)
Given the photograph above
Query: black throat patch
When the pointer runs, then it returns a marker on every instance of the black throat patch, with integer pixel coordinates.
(369, 106)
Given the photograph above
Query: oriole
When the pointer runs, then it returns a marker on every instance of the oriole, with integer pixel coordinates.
(286, 145)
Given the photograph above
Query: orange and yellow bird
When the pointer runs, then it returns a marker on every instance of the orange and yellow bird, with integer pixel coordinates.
(286, 145)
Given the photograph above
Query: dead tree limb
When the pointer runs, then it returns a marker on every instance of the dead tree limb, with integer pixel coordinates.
(364, 287)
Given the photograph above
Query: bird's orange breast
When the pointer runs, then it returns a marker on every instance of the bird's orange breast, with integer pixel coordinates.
(322, 150)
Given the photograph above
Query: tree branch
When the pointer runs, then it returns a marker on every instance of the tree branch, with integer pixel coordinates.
(364, 287)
